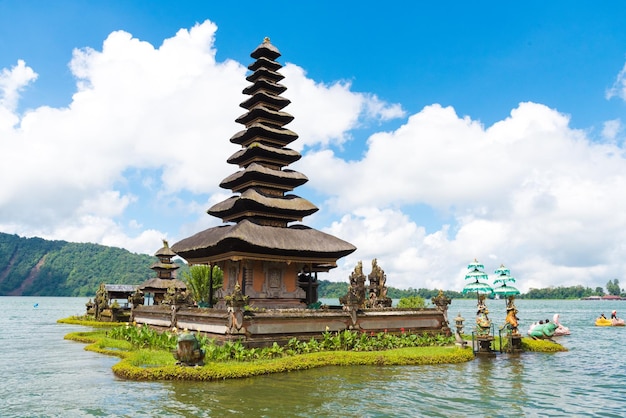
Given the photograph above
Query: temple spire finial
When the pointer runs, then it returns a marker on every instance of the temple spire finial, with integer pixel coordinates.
(266, 40)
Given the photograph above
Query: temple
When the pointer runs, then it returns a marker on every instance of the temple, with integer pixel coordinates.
(158, 286)
(273, 259)
(269, 259)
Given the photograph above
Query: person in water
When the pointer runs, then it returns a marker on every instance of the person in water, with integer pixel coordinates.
(614, 315)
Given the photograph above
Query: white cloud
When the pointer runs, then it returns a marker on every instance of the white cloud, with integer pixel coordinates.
(619, 86)
(12, 82)
(109, 203)
(324, 114)
(611, 129)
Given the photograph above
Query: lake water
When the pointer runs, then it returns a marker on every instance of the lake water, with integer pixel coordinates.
(43, 375)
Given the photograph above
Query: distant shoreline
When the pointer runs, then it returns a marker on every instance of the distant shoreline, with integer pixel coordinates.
(606, 297)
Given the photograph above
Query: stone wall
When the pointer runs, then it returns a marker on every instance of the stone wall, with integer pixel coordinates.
(263, 327)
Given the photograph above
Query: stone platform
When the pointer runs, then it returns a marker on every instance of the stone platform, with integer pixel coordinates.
(264, 327)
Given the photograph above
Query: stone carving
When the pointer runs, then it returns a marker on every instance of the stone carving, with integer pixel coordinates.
(233, 273)
(483, 323)
(101, 302)
(237, 299)
(188, 351)
(90, 307)
(378, 288)
(274, 286)
(136, 298)
(235, 306)
(511, 321)
(177, 297)
(274, 283)
(356, 289)
(442, 302)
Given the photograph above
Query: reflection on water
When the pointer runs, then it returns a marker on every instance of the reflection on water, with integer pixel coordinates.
(44, 375)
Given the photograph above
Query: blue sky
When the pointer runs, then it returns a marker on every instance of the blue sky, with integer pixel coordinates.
(432, 134)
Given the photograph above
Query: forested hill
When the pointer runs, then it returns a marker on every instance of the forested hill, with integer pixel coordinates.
(34, 266)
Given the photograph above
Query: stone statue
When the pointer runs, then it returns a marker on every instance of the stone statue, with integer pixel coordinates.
(235, 304)
(174, 296)
(90, 307)
(101, 301)
(483, 323)
(378, 288)
(511, 321)
(188, 351)
(136, 298)
(441, 301)
(356, 289)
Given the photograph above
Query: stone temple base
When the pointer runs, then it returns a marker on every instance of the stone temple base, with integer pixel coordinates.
(264, 327)
(515, 343)
(268, 303)
(483, 345)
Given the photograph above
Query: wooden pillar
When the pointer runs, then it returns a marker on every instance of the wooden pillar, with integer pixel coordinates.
(210, 285)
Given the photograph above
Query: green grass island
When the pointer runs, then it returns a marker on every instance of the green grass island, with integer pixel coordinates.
(147, 355)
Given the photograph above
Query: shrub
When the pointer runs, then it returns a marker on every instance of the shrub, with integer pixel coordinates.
(412, 302)
(198, 281)
(544, 346)
(144, 337)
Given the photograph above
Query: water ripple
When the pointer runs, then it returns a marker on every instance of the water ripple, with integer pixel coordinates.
(46, 376)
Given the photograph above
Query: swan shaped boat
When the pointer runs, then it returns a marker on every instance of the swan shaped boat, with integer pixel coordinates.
(560, 328)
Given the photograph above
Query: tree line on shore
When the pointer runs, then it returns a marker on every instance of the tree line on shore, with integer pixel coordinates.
(39, 267)
(337, 289)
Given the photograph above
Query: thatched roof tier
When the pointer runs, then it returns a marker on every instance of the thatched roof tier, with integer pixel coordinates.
(252, 204)
(256, 175)
(262, 97)
(266, 50)
(263, 73)
(265, 155)
(165, 251)
(262, 114)
(159, 285)
(164, 266)
(264, 134)
(266, 86)
(247, 240)
(263, 62)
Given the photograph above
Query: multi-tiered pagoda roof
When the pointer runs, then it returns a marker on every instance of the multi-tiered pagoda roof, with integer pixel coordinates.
(262, 207)
(164, 269)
